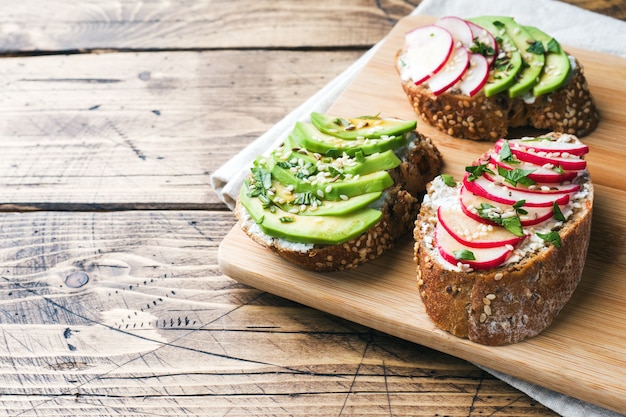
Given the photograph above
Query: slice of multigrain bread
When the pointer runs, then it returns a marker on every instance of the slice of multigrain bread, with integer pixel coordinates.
(421, 162)
(569, 109)
(520, 297)
(497, 74)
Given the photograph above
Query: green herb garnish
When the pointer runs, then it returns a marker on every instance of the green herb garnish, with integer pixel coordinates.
(463, 255)
(377, 116)
(505, 153)
(481, 48)
(476, 171)
(553, 46)
(516, 176)
(335, 172)
(307, 198)
(551, 237)
(558, 214)
(536, 48)
(287, 219)
(448, 180)
(518, 207)
(342, 122)
(513, 223)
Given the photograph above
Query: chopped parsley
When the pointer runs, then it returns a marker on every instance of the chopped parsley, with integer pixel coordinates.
(516, 176)
(503, 64)
(505, 153)
(481, 48)
(335, 172)
(558, 214)
(464, 255)
(518, 207)
(306, 198)
(551, 237)
(341, 122)
(334, 153)
(536, 48)
(375, 117)
(448, 180)
(553, 46)
(261, 177)
(476, 171)
(287, 219)
(512, 223)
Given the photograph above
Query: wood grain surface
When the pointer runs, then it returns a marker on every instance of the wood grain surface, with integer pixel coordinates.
(113, 115)
(580, 351)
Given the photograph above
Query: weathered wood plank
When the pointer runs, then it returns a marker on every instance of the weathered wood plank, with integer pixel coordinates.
(65, 25)
(127, 312)
(32, 26)
(141, 129)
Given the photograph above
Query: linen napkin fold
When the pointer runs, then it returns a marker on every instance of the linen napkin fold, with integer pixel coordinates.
(569, 24)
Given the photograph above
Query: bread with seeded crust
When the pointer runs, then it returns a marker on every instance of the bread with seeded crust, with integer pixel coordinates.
(570, 109)
(509, 303)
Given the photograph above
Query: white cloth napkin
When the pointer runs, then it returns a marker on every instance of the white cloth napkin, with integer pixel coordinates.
(569, 24)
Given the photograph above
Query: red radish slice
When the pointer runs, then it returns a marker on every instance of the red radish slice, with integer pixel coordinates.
(473, 233)
(459, 28)
(572, 148)
(485, 258)
(536, 188)
(476, 75)
(550, 158)
(451, 73)
(483, 36)
(469, 203)
(541, 174)
(428, 50)
(501, 194)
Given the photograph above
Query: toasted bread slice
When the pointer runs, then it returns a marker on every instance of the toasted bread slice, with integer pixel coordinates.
(570, 109)
(515, 300)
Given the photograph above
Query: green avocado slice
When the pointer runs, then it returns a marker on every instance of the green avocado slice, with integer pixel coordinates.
(359, 127)
(506, 68)
(557, 66)
(307, 204)
(330, 230)
(302, 159)
(337, 190)
(532, 56)
(308, 136)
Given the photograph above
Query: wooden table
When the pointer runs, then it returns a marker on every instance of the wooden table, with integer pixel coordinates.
(113, 116)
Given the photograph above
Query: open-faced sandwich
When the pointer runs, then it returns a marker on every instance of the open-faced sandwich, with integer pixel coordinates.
(338, 192)
(501, 251)
(476, 78)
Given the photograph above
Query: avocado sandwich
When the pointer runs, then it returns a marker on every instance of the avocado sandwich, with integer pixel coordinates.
(338, 192)
(476, 78)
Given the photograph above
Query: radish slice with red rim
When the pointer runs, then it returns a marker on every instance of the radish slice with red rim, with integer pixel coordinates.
(451, 73)
(458, 28)
(427, 51)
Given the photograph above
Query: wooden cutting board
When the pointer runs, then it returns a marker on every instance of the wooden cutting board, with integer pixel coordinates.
(583, 353)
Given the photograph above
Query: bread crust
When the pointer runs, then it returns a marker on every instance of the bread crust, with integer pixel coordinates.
(510, 303)
(421, 162)
(570, 109)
